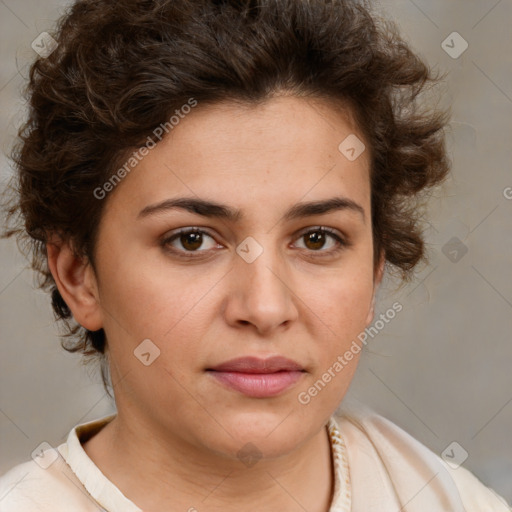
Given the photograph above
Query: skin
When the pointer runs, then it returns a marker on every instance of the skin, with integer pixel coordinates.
(174, 442)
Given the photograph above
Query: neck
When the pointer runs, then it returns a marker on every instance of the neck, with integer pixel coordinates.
(172, 473)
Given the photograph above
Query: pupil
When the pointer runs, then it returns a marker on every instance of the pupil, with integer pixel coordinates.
(191, 240)
(317, 239)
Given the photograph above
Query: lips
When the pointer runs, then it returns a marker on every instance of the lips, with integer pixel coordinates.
(256, 365)
(258, 378)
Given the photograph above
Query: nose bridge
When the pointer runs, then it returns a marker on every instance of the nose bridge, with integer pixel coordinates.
(263, 292)
(261, 274)
(265, 274)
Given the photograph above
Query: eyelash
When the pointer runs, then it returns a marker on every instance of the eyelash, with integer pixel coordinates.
(342, 242)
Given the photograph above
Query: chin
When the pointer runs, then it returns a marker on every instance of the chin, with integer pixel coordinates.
(272, 434)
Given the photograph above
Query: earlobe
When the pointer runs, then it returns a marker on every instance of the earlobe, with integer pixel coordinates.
(380, 270)
(371, 312)
(76, 282)
(379, 274)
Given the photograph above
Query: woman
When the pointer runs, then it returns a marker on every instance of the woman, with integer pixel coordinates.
(213, 191)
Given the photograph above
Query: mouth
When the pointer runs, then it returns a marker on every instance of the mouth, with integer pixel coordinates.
(258, 378)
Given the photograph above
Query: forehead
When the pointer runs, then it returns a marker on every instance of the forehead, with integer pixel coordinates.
(281, 151)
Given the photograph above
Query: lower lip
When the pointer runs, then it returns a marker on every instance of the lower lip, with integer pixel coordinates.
(258, 385)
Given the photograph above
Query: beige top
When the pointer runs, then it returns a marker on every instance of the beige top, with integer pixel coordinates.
(377, 466)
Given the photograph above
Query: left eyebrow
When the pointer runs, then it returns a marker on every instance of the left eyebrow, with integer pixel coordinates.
(309, 209)
(215, 210)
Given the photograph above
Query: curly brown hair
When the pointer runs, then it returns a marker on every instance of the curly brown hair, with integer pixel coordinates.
(121, 68)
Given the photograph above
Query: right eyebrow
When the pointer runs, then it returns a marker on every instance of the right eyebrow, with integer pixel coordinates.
(194, 205)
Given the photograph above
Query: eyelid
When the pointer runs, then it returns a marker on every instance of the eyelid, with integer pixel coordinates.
(323, 229)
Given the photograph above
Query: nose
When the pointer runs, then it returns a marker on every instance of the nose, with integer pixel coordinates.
(261, 294)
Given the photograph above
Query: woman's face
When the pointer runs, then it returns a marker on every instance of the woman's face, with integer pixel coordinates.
(257, 280)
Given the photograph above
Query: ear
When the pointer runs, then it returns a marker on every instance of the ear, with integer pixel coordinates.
(379, 274)
(76, 282)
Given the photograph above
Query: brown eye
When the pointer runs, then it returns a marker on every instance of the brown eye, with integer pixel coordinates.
(322, 240)
(189, 241)
(314, 240)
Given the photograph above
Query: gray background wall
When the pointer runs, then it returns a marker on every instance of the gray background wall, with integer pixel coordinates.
(441, 369)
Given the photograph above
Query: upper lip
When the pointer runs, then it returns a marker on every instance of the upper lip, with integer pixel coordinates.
(257, 365)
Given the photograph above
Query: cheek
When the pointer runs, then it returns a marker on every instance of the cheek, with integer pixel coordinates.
(169, 306)
(346, 316)
(342, 308)
(341, 301)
